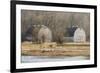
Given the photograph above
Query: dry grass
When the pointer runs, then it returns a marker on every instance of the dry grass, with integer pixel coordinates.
(53, 49)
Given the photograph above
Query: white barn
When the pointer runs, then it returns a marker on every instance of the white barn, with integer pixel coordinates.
(79, 35)
(44, 34)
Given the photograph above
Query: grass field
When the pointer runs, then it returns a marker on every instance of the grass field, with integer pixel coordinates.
(53, 49)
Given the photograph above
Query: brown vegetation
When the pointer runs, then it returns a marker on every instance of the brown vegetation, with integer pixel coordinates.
(52, 49)
(58, 22)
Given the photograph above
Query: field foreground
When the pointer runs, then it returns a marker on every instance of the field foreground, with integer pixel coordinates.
(53, 49)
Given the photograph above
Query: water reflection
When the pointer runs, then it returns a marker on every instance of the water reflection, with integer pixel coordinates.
(30, 59)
